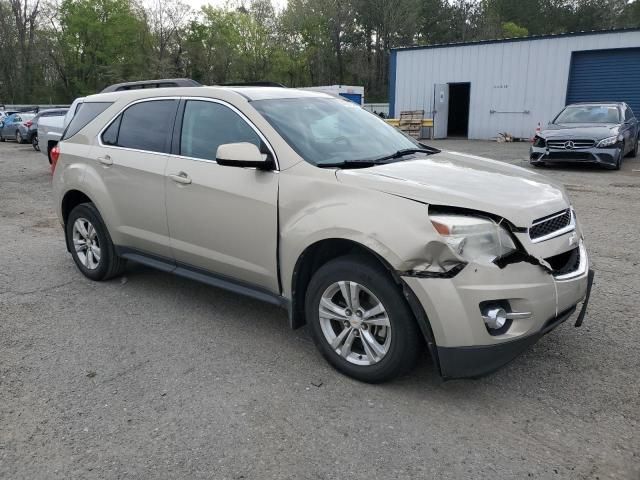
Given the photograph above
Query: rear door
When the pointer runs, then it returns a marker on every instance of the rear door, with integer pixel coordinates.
(222, 219)
(440, 110)
(131, 159)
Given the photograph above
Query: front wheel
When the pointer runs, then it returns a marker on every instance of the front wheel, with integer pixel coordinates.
(359, 320)
(19, 138)
(34, 142)
(91, 245)
(634, 152)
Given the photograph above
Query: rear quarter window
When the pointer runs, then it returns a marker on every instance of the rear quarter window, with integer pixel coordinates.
(143, 126)
(84, 115)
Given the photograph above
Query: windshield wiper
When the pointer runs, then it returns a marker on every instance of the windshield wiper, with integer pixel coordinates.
(350, 164)
(370, 162)
(407, 151)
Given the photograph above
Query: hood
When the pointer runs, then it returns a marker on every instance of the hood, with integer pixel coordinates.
(466, 181)
(596, 131)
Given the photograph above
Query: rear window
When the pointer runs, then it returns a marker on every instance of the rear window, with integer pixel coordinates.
(86, 113)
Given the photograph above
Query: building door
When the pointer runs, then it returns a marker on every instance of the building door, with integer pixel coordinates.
(605, 76)
(354, 97)
(459, 96)
(440, 110)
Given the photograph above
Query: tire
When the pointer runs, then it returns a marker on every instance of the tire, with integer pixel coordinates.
(634, 152)
(618, 163)
(397, 344)
(34, 142)
(538, 164)
(109, 263)
(2, 139)
(19, 138)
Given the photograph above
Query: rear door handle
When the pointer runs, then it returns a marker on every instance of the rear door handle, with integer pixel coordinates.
(106, 160)
(181, 177)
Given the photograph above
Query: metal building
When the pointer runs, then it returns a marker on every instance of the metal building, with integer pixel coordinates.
(481, 89)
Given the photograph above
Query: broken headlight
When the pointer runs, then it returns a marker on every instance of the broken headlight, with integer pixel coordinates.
(476, 239)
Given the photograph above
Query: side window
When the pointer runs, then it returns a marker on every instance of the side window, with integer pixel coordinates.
(207, 125)
(146, 126)
(629, 114)
(110, 135)
(84, 115)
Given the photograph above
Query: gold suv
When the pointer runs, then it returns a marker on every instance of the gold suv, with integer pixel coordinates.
(382, 245)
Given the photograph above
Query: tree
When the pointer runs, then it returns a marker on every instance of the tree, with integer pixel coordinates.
(511, 30)
(166, 20)
(99, 43)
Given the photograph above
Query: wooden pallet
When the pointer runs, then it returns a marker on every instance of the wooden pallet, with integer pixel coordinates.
(411, 122)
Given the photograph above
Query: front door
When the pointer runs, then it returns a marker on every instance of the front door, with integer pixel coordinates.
(440, 110)
(221, 219)
(132, 159)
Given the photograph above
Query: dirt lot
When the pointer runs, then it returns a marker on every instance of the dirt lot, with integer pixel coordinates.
(153, 376)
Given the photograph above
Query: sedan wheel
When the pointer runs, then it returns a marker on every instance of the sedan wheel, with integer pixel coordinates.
(86, 243)
(19, 138)
(355, 323)
(34, 143)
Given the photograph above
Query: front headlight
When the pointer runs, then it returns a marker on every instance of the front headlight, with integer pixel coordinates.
(539, 142)
(476, 239)
(609, 141)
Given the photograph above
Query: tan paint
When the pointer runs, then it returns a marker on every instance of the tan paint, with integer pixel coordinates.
(226, 219)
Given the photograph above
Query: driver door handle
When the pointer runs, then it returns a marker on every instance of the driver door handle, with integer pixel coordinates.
(181, 177)
(106, 160)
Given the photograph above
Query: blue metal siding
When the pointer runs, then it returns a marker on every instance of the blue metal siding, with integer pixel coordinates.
(392, 83)
(605, 76)
(354, 97)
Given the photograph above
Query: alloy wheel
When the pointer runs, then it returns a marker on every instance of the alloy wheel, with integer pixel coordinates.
(355, 323)
(86, 243)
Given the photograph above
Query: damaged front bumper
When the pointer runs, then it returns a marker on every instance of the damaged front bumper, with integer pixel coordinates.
(539, 301)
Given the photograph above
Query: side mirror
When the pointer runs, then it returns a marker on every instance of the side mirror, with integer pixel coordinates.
(241, 155)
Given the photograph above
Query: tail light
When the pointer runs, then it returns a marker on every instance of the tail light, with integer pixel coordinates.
(28, 123)
(55, 155)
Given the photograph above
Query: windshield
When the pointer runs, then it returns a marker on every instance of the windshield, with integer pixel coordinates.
(589, 114)
(329, 131)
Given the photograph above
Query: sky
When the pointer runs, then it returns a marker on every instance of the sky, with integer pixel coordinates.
(196, 4)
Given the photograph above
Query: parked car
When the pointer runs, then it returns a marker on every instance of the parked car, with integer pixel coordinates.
(599, 133)
(382, 245)
(52, 113)
(5, 113)
(50, 128)
(15, 126)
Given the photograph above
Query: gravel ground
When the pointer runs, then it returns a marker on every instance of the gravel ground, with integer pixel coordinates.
(154, 376)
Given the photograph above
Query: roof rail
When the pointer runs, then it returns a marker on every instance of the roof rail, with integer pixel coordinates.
(252, 84)
(162, 83)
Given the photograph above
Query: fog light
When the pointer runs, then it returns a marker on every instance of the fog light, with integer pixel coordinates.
(495, 318)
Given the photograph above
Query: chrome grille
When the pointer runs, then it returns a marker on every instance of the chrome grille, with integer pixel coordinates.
(570, 144)
(547, 225)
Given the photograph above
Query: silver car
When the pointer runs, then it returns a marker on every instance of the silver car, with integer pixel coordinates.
(16, 126)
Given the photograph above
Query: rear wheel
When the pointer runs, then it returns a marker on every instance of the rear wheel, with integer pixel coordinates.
(34, 142)
(359, 320)
(19, 138)
(91, 245)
